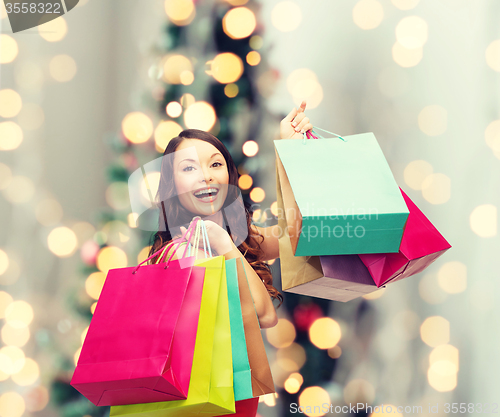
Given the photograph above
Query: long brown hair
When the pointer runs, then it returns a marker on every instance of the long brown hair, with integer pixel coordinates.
(250, 247)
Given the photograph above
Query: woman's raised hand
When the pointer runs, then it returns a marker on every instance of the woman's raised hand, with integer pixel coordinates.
(295, 123)
(219, 239)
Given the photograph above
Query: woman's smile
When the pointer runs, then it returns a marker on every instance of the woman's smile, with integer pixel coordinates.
(206, 194)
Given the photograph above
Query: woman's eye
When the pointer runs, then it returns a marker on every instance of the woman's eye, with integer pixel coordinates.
(187, 169)
(217, 163)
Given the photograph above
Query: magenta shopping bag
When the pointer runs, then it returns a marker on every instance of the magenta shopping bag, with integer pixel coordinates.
(140, 343)
(421, 245)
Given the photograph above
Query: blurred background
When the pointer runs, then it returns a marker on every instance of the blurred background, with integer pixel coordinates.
(89, 97)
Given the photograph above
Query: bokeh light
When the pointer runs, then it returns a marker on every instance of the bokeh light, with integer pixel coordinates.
(143, 254)
(8, 49)
(245, 182)
(436, 188)
(117, 195)
(14, 336)
(11, 136)
(257, 195)
(187, 99)
(274, 208)
(62, 68)
(325, 333)
(435, 331)
(29, 373)
(493, 55)
(227, 67)
(173, 66)
(20, 190)
(286, 16)
(231, 90)
(359, 390)
(335, 352)
(412, 32)
(239, 23)
(442, 376)
(38, 397)
(310, 398)
(11, 403)
(5, 176)
(186, 77)
(94, 284)
(12, 359)
(10, 103)
(367, 14)
(62, 241)
(405, 57)
(416, 172)
(250, 148)
(405, 4)
(19, 314)
(111, 257)
(293, 383)
(54, 30)
(31, 116)
(444, 353)
(452, 277)
(383, 409)
(253, 58)
(137, 127)
(237, 2)
(174, 109)
(180, 12)
(492, 135)
(375, 294)
(256, 42)
(303, 84)
(164, 132)
(4, 263)
(483, 220)
(433, 120)
(281, 335)
(200, 115)
(294, 353)
(5, 300)
(48, 212)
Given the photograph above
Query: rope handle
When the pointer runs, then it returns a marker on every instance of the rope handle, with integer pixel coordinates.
(312, 134)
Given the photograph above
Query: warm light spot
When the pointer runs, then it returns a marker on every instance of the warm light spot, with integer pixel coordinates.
(433, 120)
(186, 77)
(253, 58)
(173, 66)
(137, 127)
(274, 208)
(12, 273)
(111, 257)
(269, 399)
(227, 67)
(303, 84)
(117, 195)
(405, 57)
(368, 14)
(256, 215)
(143, 254)
(31, 116)
(258, 194)
(436, 188)
(412, 32)
(325, 333)
(281, 335)
(38, 397)
(200, 115)
(19, 314)
(11, 136)
(10, 103)
(8, 49)
(492, 135)
(53, 30)
(180, 12)
(442, 376)
(174, 109)
(164, 132)
(20, 190)
(187, 99)
(293, 383)
(444, 353)
(132, 219)
(493, 55)
(84, 334)
(94, 284)
(11, 403)
(310, 398)
(117, 232)
(231, 90)
(250, 148)
(256, 42)
(335, 352)
(93, 307)
(416, 172)
(239, 23)
(5, 300)
(149, 185)
(48, 212)
(237, 2)
(294, 353)
(405, 4)
(375, 294)
(245, 182)
(28, 375)
(483, 220)
(452, 277)
(286, 16)
(384, 409)
(14, 336)
(62, 241)
(435, 331)
(4, 263)
(359, 390)
(62, 68)
(12, 359)
(5, 176)
(76, 356)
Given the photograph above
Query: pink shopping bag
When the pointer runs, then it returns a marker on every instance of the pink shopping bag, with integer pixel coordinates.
(140, 343)
(421, 245)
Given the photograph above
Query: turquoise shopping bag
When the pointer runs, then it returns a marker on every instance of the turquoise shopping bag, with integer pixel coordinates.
(340, 196)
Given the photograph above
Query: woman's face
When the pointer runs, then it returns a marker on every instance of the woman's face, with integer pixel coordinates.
(200, 177)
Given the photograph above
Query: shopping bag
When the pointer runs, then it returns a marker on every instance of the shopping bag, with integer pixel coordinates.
(339, 195)
(421, 245)
(242, 377)
(334, 277)
(141, 336)
(211, 386)
(262, 379)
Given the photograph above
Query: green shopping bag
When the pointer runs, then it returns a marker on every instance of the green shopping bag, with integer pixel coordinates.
(339, 196)
(211, 385)
(242, 376)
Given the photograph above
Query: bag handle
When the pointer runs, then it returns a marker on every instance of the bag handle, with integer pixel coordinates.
(190, 230)
(314, 135)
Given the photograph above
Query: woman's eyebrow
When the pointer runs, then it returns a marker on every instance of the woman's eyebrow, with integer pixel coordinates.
(216, 153)
(192, 160)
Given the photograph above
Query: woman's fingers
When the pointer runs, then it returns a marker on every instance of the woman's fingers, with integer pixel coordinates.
(306, 127)
(304, 121)
(298, 119)
(302, 107)
(290, 116)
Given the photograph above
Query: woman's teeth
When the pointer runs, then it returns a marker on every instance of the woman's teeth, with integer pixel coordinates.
(206, 194)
